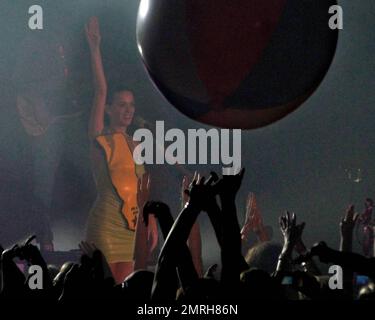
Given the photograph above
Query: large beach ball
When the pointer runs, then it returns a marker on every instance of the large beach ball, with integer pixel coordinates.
(236, 63)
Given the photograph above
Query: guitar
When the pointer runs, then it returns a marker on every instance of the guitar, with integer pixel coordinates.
(35, 117)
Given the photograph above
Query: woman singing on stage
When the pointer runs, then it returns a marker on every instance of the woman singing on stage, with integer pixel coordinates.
(113, 219)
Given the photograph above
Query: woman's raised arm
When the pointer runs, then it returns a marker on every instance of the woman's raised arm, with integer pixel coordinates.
(96, 123)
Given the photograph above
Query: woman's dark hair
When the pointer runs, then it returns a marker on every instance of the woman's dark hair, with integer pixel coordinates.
(114, 90)
(110, 97)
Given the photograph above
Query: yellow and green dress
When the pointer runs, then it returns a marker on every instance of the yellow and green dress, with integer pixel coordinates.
(112, 219)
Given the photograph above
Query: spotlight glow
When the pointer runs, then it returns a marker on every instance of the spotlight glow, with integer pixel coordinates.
(143, 8)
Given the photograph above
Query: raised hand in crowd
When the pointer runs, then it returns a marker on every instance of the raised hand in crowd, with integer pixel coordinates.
(292, 235)
(194, 241)
(172, 252)
(178, 270)
(233, 263)
(347, 225)
(10, 272)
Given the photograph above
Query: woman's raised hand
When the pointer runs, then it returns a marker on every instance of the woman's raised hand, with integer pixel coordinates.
(92, 30)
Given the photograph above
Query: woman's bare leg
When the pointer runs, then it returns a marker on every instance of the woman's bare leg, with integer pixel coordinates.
(120, 270)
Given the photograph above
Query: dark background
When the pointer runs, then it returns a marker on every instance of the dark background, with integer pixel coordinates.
(300, 163)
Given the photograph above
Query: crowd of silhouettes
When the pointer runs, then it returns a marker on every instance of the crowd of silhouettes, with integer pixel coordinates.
(269, 271)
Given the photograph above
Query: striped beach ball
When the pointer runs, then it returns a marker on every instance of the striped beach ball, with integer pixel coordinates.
(236, 63)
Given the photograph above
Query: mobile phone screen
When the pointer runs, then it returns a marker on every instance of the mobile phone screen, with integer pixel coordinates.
(362, 280)
(287, 280)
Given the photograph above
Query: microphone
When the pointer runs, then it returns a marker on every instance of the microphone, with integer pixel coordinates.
(143, 123)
